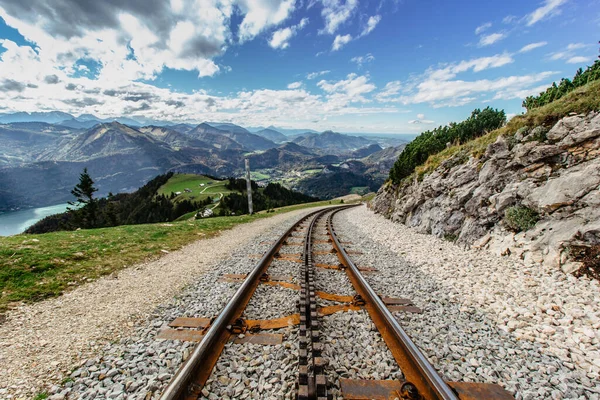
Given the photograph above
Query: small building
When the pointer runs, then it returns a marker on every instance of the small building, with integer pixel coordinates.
(187, 190)
(202, 184)
(177, 193)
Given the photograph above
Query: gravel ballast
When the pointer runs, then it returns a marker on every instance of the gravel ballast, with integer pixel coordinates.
(97, 337)
(489, 319)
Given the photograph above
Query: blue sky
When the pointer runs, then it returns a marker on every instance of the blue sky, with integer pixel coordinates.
(351, 66)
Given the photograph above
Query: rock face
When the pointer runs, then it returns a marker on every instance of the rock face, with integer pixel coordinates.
(554, 173)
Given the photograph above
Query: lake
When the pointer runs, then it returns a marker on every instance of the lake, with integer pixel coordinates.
(15, 222)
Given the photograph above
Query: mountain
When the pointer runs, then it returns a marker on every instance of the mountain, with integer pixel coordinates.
(182, 128)
(272, 135)
(286, 132)
(332, 143)
(288, 156)
(23, 142)
(51, 117)
(217, 138)
(296, 148)
(241, 135)
(173, 138)
(109, 139)
(77, 124)
(366, 151)
(383, 160)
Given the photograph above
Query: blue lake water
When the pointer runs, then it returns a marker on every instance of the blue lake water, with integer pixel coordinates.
(15, 222)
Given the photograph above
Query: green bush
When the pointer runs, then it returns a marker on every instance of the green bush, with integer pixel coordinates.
(565, 86)
(520, 218)
(432, 142)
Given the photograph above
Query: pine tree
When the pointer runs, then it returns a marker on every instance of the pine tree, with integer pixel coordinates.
(84, 193)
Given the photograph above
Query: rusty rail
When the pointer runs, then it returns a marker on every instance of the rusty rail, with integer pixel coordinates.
(193, 374)
(422, 380)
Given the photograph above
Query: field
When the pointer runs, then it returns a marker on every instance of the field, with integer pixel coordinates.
(35, 267)
(359, 190)
(181, 182)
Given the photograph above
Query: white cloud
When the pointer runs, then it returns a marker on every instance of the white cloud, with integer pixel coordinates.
(140, 39)
(441, 93)
(360, 60)
(483, 27)
(440, 87)
(294, 85)
(390, 90)
(487, 40)
(421, 120)
(336, 12)
(261, 14)
(568, 54)
(532, 46)
(350, 90)
(371, 24)
(549, 9)
(281, 37)
(579, 60)
(314, 75)
(340, 41)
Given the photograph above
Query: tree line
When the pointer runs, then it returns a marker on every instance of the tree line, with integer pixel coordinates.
(555, 92)
(143, 206)
(272, 196)
(433, 141)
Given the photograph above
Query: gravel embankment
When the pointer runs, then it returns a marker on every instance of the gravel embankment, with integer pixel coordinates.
(532, 330)
(100, 338)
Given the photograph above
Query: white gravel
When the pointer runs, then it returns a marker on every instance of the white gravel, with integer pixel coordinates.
(487, 319)
(108, 324)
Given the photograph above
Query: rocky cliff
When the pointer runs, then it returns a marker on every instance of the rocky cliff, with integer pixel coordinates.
(534, 194)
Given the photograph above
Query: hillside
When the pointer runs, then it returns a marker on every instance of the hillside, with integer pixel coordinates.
(332, 142)
(109, 139)
(530, 188)
(272, 135)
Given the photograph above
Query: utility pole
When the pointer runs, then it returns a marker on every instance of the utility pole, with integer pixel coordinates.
(248, 186)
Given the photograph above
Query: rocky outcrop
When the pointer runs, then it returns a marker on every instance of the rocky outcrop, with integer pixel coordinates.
(554, 174)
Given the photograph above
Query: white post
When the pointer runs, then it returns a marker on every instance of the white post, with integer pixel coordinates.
(248, 186)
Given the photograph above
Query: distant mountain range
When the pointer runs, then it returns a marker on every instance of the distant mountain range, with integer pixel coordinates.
(49, 155)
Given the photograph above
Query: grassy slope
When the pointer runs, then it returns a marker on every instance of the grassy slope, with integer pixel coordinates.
(581, 100)
(179, 182)
(34, 267)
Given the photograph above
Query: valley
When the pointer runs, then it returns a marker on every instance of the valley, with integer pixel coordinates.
(49, 153)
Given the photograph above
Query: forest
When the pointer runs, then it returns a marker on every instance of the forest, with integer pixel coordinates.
(143, 206)
(272, 196)
(433, 141)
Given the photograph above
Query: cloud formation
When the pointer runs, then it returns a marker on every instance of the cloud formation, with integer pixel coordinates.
(281, 37)
(336, 12)
(360, 60)
(487, 40)
(340, 41)
(532, 46)
(548, 9)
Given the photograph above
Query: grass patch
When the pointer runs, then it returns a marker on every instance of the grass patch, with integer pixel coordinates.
(359, 190)
(368, 197)
(258, 176)
(181, 182)
(520, 218)
(41, 396)
(36, 267)
(582, 100)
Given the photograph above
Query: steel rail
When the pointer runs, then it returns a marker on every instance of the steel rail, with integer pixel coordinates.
(193, 374)
(413, 363)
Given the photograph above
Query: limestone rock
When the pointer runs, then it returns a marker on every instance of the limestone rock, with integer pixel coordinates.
(558, 178)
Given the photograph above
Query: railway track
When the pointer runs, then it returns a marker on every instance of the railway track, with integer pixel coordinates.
(320, 252)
